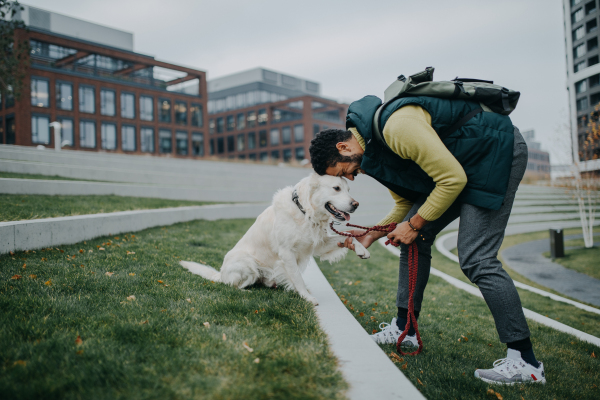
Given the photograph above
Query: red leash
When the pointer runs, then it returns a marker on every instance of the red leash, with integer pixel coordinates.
(413, 265)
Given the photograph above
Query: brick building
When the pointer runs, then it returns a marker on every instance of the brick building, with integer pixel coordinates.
(538, 161)
(105, 96)
(265, 115)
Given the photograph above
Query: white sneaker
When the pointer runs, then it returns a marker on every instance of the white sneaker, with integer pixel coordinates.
(390, 333)
(511, 370)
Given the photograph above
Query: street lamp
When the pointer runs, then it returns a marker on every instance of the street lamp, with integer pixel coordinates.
(57, 140)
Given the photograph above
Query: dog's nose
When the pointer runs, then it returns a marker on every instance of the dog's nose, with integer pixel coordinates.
(354, 204)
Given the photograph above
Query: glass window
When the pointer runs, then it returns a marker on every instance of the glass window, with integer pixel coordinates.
(108, 102)
(262, 138)
(251, 140)
(146, 108)
(109, 136)
(40, 92)
(315, 130)
(66, 131)
(287, 155)
(580, 86)
(220, 145)
(196, 115)
(579, 66)
(181, 139)
(241, 142)
(87, 101)
(582, 104)
(10, 97)
(230, 143)
(274, 137)
(299, 133)
(198, 144)
(577, 16)
(251, 119)
(578, 33)
(592, 61)
(128, 138)
(264, 156)
(262, 116)
(275, 155)
(595, 99)
(165, 110)
(1, 131)
(11, 129)
(147, 140)
(594, 80)
(241, 121)
(87, 134)
(212, 126)
(286, 135)
(579, 50)
(590, 7)
(230, 122)
(220, 125)
(299, 153)
(165, 141)
(592, 44)
(591, 25)
(242, 156)
(127, 105)
(64, 96)
(252, 156)
(40, 129)
(180, 113)
(575, 2)
(211, 148)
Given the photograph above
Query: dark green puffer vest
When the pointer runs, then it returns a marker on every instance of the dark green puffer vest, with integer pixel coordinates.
(483, 146)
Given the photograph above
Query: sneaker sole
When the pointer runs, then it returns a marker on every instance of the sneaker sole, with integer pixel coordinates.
(542, 381)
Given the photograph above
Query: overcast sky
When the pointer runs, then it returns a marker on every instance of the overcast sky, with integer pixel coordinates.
(354, 48)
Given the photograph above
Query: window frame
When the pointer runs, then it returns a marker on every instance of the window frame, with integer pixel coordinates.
(38, 116)
(177, 120)
(143, 111)
(81, 142)
(122, 103)
(178, 139)
(143, 130)
(81, 87)
(123, 147)
(161, 101)
(40, 79)
(160, 141)
(60, 120)
(114, 92)
(103, 126)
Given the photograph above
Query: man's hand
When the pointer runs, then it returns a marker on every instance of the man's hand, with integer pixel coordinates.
(366, 240)
(403, 234)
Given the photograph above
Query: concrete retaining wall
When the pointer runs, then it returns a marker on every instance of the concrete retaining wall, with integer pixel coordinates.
(52, 232)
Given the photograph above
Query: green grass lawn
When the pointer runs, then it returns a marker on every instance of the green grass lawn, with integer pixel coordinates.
(44, 177)
(586, 261)
(445, 368)
(181, 337)
(15, 207)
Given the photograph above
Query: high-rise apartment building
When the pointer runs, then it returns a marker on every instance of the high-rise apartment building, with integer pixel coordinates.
(581, 19)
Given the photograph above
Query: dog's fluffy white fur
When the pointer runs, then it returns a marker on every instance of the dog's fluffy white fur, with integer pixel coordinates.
(278, 246)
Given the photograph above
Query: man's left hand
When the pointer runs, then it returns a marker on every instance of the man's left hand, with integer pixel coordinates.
(403, 234)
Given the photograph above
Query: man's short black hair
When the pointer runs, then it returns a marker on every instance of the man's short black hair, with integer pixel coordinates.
(323, 153)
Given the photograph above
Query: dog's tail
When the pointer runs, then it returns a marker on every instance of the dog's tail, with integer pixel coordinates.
(203, 270)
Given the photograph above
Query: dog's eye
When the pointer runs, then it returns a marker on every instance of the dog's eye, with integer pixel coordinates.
(337, 188)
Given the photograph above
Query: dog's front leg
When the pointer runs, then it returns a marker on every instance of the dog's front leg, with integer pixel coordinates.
(292, 272)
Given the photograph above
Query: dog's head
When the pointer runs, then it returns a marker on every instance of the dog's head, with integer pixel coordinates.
(329, 197)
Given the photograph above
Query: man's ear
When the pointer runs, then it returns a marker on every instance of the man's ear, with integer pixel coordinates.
(343, 147)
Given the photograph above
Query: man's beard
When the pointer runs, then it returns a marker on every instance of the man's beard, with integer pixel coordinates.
(354, 158)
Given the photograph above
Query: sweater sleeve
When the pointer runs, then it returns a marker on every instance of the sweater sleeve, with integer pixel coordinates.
(409, 134)
(401, 208)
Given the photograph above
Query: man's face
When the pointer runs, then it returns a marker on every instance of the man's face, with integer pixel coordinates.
(348, 170)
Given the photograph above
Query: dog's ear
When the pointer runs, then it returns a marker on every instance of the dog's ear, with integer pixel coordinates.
(313, 181)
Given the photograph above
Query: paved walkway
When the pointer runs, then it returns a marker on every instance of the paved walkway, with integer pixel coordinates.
(527, 259)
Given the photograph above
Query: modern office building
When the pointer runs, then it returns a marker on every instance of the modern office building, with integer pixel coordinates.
(583, 75)
(265, 115)
(105, 96)
(538, 162)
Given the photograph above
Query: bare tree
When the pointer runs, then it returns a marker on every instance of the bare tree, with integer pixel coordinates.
(14, 54)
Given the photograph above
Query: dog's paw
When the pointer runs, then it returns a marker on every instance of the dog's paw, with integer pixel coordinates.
(360, 250)
(312, 299)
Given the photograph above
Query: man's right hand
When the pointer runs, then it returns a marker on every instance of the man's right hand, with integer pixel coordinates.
(366, 240)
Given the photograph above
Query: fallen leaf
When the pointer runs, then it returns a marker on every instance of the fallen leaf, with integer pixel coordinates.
(160, 281)
(109, 273)
(250, 349)
(144, 322)
(81, 250)
(130, 252)
(62, 251)
(131, 298)
(372, 309)
(12, 253)
(101, 249)
(131, 274)
(420, 383)
(79, 352)
(15, 277)
(489, 344)
(357, 282)
(32, 276)
(499, 396)
(256, 360)
(163, 310)
(362, 314)
(20, 362)
(224, 337)
(350, 283)
(24, 266)
(78, 341)
(405, 366)
(593, 355)
(48, 283)
(374, 331)
(396, 357)
(44, 259)
(116, 238)
(490, 392)
(207, 324)
(188, 300)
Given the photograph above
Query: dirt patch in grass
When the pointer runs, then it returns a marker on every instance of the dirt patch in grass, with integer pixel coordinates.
(179, 336)
(16, 207)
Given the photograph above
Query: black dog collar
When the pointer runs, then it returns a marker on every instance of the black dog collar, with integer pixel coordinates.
(295, 200)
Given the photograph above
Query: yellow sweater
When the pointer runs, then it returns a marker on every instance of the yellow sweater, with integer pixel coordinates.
(409, 134)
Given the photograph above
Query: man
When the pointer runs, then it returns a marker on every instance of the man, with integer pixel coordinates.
(473, 173)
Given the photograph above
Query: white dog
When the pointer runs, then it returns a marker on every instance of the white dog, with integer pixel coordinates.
(278, 246)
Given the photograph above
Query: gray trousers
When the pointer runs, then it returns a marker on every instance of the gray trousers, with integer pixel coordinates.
(480, 236)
